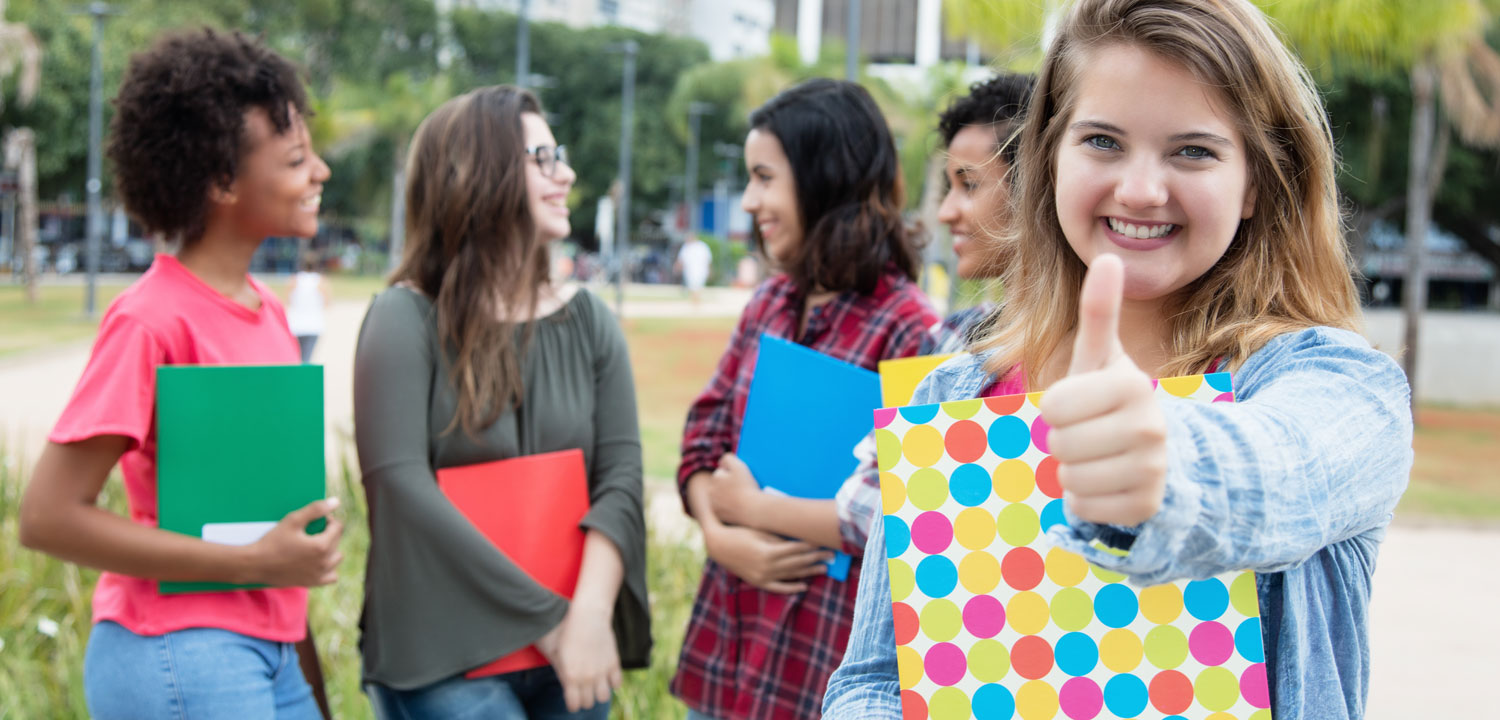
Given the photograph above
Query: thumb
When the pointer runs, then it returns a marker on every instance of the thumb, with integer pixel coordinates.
(1098, 338)
(300, 517)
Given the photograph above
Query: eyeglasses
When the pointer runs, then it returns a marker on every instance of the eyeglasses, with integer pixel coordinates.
(548, 156)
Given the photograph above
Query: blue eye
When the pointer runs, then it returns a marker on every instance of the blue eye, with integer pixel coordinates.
(1196, 152)
(1102, 142)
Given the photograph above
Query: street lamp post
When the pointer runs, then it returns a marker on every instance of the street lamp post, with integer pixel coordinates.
(728, 153)
(696, 110)
(523, 45)
(851, 54)
(96, 122)
(622, 211)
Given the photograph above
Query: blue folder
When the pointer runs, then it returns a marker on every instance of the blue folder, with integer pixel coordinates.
(805, 414)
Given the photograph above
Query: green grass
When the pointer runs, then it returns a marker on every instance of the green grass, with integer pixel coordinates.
(56, 318)
(353, 287)
(1453, 476)
(41, 672)
(673, 358)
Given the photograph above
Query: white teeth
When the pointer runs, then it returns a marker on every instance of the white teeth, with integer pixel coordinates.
(1140, 232)
(313, 201)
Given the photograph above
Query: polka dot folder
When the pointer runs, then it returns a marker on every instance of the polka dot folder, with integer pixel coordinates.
(992, 622)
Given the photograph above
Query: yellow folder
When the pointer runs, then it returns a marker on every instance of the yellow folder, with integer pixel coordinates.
(899, 378)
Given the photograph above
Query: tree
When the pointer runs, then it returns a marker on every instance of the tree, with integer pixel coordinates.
(1441, 46)
(582, 97)
(20, 52)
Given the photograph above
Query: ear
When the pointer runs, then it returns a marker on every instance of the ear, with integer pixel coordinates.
(223, 194)
(1249, 208)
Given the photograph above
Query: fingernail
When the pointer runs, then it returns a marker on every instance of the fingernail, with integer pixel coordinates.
(333, 503)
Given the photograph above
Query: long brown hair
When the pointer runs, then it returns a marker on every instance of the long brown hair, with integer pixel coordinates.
(472, 244)
(1288, 267)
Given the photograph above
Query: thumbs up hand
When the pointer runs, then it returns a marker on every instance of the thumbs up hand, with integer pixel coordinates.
(1108, 433)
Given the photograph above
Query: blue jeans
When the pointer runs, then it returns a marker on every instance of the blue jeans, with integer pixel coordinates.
(522, 695)
(194, 673)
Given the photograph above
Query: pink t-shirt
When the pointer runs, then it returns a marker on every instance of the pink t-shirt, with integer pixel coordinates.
(170, 317)
(1009, 384)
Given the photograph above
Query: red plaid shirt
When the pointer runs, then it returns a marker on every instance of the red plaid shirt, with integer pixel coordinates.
(750, 654)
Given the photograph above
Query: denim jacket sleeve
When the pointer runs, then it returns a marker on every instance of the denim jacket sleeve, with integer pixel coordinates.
(1315, 450)
(866, 684)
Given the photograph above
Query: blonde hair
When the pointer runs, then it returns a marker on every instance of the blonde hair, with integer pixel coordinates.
(1288, 267)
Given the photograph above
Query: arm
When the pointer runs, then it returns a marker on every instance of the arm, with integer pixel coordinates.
(858, 499)
(867, 684)
(1318, 450)
(111, 411)
(430, 542)
(312, 671)
(324, 288)
(60, 516)
(583, 647)
(737, 499)
(763, 560)
(711, 426)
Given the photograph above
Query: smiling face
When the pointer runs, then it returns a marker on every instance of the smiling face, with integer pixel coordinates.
(547, 197)
(278, 187)
(1149, 167)
(771, 196)
(975, 201)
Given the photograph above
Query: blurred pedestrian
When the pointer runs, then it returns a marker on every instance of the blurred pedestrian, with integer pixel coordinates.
(307, 298)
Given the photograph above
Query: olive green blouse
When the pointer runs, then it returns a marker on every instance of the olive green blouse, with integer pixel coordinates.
(439, 598)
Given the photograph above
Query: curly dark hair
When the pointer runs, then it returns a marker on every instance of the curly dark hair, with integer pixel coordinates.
(179, 124)
(999, 102)
(849, 190)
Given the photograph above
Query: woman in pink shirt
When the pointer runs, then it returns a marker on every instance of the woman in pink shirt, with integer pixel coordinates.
(210, 148)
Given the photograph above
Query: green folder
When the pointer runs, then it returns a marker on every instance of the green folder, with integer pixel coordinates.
(238, 447)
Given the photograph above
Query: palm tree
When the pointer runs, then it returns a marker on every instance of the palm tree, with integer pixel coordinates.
(20, 52)
(358, 115)
(1441, 45)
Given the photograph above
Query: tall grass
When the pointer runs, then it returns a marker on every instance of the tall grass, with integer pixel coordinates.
(44, 614)
(41, 664)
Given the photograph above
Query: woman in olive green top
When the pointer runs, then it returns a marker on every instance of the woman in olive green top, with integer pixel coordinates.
(474, 355)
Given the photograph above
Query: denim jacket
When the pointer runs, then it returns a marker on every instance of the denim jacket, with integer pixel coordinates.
(1296, 480)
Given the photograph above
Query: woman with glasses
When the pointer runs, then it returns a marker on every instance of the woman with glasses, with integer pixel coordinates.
(474, 355)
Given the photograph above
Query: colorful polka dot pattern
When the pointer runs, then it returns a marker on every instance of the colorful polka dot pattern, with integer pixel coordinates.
(992, 621)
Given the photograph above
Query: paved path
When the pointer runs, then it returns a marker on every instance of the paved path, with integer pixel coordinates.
(1435, 634)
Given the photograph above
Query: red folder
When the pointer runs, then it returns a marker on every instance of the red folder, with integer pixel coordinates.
(530, 508)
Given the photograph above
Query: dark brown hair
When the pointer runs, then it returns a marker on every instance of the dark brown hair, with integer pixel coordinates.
(179, 124)
(472, 244)
(998, 103)
(848, 180)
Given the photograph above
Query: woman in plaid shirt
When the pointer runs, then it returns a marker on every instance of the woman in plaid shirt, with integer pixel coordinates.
(768, 627)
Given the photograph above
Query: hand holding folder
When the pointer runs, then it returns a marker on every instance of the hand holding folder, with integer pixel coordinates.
(530, 507)
(238, 448)
(805, 414)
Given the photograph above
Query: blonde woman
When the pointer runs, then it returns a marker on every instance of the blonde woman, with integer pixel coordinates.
(1207, 225)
